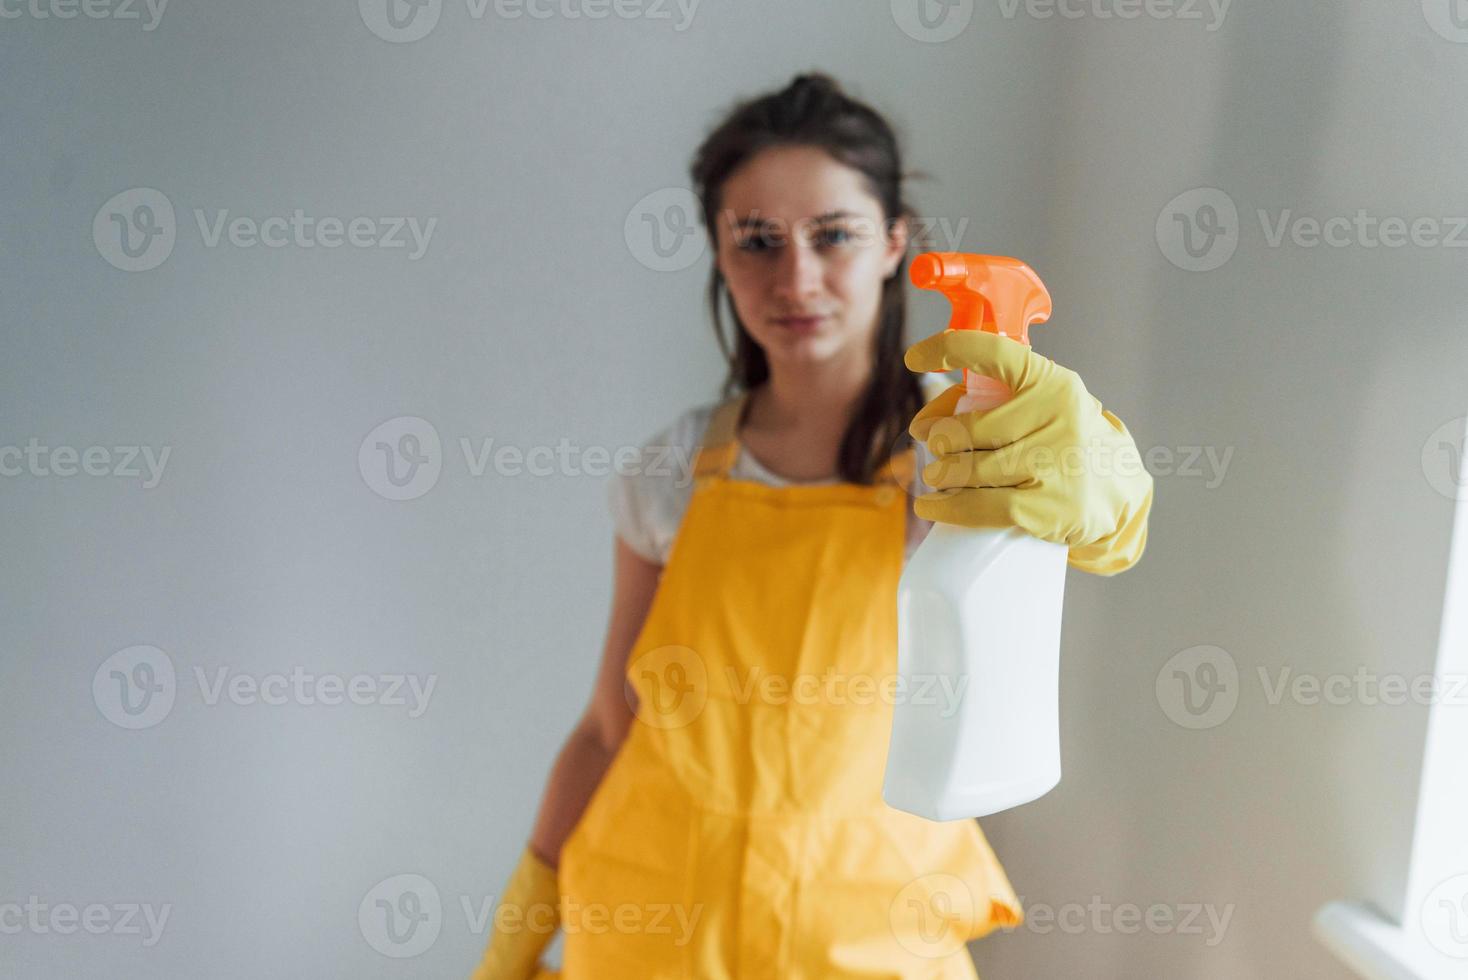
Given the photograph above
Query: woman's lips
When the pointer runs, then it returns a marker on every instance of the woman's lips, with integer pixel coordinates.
(800, 324)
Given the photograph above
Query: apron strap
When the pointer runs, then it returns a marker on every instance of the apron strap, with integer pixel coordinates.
(719, 448)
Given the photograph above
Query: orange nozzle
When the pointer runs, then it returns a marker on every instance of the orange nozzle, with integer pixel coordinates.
(988, 292)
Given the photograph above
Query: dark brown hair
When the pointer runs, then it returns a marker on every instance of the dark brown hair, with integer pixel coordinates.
(813, 111)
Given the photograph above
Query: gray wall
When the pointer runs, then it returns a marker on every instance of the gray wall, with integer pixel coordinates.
(538, 314)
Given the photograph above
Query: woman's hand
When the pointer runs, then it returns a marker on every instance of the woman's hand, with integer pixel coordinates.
(1051, 460)
(524, 923)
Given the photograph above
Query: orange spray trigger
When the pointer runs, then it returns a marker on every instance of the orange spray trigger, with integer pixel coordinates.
(988, 292)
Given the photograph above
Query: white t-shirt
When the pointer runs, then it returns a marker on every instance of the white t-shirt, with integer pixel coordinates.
(648, 498)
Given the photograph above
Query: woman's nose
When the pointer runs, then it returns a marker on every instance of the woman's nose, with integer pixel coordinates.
(799, 272)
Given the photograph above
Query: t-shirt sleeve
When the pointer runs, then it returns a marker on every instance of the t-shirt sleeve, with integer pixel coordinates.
(629, 515)
(648, 493)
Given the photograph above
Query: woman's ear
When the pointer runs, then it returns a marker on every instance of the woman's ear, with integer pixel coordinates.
(898, 236)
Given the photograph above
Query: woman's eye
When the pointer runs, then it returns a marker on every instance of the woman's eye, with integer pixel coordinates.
(834, 236)
(757, 242)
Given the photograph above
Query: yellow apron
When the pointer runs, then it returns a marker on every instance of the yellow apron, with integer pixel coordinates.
(740, 829)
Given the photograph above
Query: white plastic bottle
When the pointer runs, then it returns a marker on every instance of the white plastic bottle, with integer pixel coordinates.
(976, 728)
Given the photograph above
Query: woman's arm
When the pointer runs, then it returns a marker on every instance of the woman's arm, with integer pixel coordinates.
(594, 741)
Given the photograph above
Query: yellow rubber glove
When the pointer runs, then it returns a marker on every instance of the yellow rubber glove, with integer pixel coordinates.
(524, 923)
(1051, 460)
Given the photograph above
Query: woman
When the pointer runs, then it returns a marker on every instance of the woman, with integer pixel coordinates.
(704, 819)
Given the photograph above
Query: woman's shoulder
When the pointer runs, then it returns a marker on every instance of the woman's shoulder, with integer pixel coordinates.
(649, 492)
(681, 433)
(662, 463)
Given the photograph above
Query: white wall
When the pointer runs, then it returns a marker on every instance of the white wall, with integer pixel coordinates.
(530, 319)
(1322, 550)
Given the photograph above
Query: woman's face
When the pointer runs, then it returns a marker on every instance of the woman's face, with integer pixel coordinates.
(804, 249)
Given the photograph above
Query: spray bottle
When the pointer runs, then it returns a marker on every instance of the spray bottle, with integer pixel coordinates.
(978, 609)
